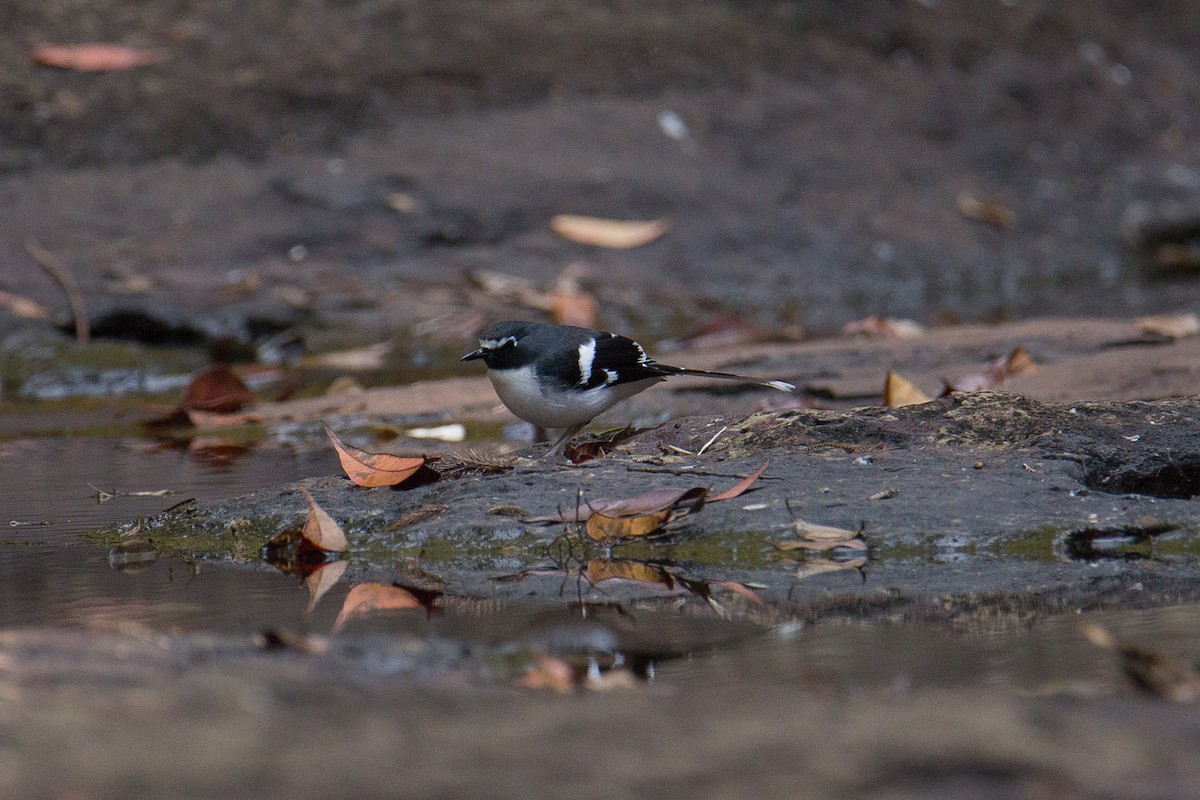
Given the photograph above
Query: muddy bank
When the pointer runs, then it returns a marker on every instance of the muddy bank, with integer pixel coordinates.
(348, 164)
(973, 495)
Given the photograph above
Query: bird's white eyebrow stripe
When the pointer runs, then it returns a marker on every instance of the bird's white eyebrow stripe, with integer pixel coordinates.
(496, 344)
(587, 355)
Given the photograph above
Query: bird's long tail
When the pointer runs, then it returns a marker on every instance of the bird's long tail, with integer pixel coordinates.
(667, 369)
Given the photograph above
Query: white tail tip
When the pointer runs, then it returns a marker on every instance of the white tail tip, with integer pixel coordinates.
(782, 386)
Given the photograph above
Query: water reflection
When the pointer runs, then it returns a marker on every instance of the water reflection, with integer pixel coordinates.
(50, 576)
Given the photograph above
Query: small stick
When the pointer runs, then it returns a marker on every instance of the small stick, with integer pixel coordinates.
(51, 265)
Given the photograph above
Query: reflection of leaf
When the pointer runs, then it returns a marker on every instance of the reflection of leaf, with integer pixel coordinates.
(604, 528)
(374, 469)
(368, 598)
(1152, 671)
(216, 389)
(613, 233)
(322, 579)
(816, 566)
(899, 391)
(599, 570)
(321, 530)
(739, 488)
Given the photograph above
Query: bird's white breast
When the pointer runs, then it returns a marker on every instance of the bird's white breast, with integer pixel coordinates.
(522, 394)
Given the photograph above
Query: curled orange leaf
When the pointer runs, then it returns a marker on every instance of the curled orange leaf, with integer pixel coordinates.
(374, 469)
(322, 530)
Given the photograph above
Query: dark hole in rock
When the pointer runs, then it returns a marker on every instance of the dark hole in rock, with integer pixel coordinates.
(1176, 480)
(134, 325)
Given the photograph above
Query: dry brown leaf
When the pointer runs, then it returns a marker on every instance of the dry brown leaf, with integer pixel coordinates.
(370, 598)
(24, 307)
(322, 579)
(882, 327)
(374, 469)
(899, 391)
(981, 209)
(651, 502)
(548, 673)
(322, 530)
(360, 358)
(603, 528)
(1170, 326)
(612, 233)
(1017, 362)
(741, 487)
(216, 389)
(95, 57)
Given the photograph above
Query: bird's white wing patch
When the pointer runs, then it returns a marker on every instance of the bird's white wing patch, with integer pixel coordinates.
(587, 355)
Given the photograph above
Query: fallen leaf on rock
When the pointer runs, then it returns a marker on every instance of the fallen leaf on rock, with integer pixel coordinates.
(597, 448)
(741, 487)
(321, 530)
(651, 502)
(877, 326)
(605, 528)
(374, 469)
(611, 233)
(322, 579)
(280, 639)
(655, 501)
(95, 57)
(23, 307)
(548, 673)
(1170, 326)
(899, 392)
(216, 389)
(208, 420)
(1152, 671)
(1017, 362)
(420, 514)
(360, 358)
(371, 598)
(981, 209)
(570, 303)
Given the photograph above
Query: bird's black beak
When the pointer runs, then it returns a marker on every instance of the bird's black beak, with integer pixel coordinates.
(474, 354)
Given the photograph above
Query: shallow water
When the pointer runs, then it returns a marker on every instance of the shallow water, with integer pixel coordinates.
(53, 577)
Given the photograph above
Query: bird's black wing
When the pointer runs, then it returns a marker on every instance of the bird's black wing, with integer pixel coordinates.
(619, 359)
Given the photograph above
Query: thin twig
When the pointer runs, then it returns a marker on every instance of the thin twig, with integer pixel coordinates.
(707, 444)
(51, 265)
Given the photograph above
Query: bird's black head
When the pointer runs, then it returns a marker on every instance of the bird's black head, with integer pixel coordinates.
(500, 345)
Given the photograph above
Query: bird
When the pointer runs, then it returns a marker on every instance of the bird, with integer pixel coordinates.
(563, 376)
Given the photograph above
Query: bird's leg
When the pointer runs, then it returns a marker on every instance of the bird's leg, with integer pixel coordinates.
(561, 445)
